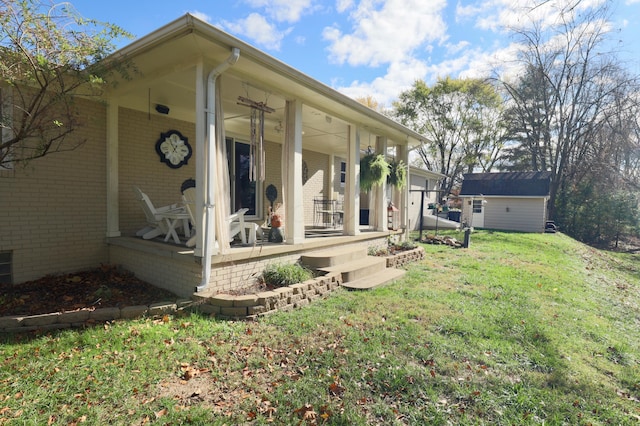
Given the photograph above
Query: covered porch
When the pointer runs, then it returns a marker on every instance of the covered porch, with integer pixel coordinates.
(262, 136)
(176, 267)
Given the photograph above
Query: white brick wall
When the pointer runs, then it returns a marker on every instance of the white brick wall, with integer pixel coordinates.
(140, 164)
(53, 211)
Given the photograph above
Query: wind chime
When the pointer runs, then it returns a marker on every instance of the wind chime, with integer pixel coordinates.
(258, 109)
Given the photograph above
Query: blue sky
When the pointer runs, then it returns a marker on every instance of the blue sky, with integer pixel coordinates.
(364, 48)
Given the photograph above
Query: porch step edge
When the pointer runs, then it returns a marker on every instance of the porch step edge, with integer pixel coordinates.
(359, 268)
(374, 281)
(333, 257)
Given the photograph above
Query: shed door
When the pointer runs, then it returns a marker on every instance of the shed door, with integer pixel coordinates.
(477, 213)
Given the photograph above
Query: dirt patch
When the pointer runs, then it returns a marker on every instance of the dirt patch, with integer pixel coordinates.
(104, 287)
(221, 397)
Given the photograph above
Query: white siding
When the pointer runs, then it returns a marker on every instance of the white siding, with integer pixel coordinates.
(419, 183)
(515, 214)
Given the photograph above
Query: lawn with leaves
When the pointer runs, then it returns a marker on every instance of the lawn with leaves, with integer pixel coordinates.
(517, 329)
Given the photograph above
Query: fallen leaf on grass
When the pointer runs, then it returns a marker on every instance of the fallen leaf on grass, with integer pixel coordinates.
(335, 389)
(306, 412)
(189, 372)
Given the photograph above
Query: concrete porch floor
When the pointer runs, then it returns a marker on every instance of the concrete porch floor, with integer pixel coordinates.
(315, 239)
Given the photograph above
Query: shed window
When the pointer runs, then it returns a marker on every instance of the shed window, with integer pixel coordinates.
(477, 206)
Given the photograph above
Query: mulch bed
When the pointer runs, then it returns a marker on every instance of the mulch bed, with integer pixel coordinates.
(104, 287)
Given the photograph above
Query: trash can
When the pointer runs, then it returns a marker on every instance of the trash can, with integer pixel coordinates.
(454, 216)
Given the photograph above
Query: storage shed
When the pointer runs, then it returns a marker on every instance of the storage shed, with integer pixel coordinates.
(513, 201)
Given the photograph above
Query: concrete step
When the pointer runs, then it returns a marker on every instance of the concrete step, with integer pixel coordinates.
(358, 268)
(332, 257)
(373, 281)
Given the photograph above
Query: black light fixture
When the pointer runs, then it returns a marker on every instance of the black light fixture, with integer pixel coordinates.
(162, 109)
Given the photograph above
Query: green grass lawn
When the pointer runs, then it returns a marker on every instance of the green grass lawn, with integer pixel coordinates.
(517, 329)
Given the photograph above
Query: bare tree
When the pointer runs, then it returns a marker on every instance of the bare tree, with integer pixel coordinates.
(49, 56)
(568, 93)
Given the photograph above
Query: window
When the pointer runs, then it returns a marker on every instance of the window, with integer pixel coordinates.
(477, 206)
(5, 267)
(343, 173)
(243, 191)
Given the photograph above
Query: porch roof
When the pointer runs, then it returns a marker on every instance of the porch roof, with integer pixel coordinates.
(166, 59)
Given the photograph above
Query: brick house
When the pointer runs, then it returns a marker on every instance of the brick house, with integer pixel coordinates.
(77, 210)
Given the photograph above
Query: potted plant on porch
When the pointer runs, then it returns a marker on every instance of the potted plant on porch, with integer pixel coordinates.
(397, 174)
(374, 169)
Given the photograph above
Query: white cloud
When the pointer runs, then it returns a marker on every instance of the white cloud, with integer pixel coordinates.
(453, 49)
(343, 5)
(257, 28)
(386, 31)
(400, 76)
(283, 10)
(498, 15)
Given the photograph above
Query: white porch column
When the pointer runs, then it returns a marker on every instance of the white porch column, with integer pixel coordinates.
(380, 196)
(352, 185)
(113, 204)
(200, 154)
(402, 153)
(292, 174)
(330, 178)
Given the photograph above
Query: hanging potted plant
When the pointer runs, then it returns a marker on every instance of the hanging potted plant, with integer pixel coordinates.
(397, 174)
(374, 169)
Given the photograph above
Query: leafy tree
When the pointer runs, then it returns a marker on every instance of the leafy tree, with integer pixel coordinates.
(592, 213)
(371, 102)
(461, 120)
(49, 56)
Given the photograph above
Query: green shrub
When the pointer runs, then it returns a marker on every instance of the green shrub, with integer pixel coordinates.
(280, 275)
(407, 245)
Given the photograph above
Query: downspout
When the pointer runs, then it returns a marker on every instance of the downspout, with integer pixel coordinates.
(209, 196)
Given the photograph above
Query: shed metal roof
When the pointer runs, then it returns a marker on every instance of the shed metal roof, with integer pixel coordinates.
(515, 184)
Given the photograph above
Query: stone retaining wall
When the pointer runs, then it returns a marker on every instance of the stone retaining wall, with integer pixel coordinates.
(252, 306)
(81, 318)
(224, 306)
(405, 257)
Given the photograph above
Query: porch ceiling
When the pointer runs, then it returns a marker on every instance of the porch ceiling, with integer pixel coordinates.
(166, 63)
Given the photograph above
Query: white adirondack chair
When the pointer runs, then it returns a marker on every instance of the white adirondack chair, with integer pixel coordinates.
(189, 200)
(156, 224)
(237, 225)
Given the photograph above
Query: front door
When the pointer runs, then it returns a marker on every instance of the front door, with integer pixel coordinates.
(477, 213)
(244, 191)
